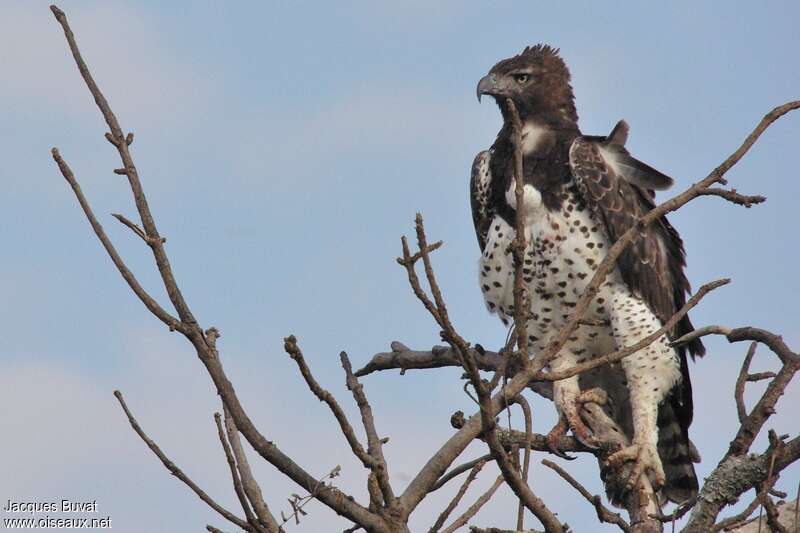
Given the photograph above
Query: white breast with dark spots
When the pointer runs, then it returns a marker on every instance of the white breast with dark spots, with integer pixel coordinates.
(564, 249)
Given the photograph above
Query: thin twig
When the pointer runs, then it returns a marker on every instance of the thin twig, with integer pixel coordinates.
(137, 230)
(457, 498)
(237, 482)
(251, 487)
(298, 502)
(733, 196)
(700, 332)
(120, 141)
(526, 461)
(475, 507)
(291, 347)
(177, 472)
(487, 413)
(460, 469)
(741, 381)
(677, 513)
(374, 443)
(603, 513)
(518, 245)
(148, 301)
(417, 256)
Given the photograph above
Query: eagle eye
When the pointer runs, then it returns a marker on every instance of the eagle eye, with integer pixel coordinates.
(521, 78)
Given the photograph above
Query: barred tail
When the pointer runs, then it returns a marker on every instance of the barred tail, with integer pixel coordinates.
(677, 453)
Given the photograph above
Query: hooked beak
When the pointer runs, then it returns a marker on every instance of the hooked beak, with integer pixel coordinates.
(486, 85)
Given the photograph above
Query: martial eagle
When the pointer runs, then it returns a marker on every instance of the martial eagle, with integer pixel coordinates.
(581, 194)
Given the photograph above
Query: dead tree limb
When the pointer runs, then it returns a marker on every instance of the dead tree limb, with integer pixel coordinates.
(475, 507)
(457, 498)
(249, 484)
(737, 472)
(177, 472)
(204, 343)
(603, 514)
(235, 478)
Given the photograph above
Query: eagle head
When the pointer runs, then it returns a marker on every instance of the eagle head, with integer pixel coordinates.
(537, 81)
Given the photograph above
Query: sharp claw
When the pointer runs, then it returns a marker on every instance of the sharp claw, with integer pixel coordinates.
(581, 432)
(645, 458)
(558, 431)
(558, 453)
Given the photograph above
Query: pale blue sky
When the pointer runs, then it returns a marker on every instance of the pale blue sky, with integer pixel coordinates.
(285, 147)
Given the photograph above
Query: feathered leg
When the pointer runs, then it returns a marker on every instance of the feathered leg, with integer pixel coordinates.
(569, 399)
(651, 373)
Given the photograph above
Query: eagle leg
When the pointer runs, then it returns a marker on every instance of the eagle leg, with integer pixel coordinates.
(650, 373)
(569, 415)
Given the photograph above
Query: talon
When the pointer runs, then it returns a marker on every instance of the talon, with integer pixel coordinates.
(580, 430)
(558, 431)
(645, 457)
(596, 395)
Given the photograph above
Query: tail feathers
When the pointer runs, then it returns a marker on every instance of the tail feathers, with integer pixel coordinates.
(677, 455)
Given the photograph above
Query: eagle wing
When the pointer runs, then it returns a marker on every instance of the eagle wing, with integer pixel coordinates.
(482, 213)
(652, 265)
(620, 190)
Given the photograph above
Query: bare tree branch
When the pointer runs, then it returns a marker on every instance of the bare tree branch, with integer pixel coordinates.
(291, 347)
(438, 310)
(735, 475)
(374, 443)
(603, 514)
(237, 481)
(177, 472)
(251, 488)
(733, 196)
(526, 461)
(127, 275)
(121, 142)
(741, 381)
(475, 507)
(457, 498)
(455, 472)
(518, 245)
(206, 351)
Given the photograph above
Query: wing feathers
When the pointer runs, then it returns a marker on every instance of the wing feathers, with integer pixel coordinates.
(633, 170)
(619, 135)
(479, 196)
